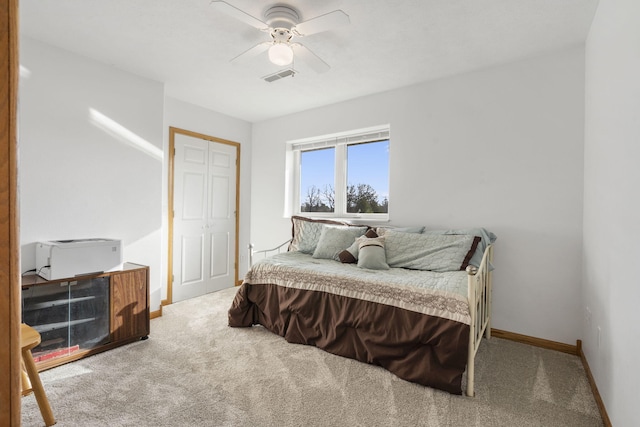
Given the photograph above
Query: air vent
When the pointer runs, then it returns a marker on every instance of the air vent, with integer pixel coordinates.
(279, 75)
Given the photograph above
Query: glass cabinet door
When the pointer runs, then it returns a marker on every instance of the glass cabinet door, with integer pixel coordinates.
(70, 316)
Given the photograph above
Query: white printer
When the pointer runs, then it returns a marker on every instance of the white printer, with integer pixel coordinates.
(58, 259)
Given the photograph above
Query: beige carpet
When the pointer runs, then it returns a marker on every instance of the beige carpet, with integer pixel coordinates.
(194, 370)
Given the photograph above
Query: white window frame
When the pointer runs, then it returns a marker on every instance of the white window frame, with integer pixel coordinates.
(339, 141)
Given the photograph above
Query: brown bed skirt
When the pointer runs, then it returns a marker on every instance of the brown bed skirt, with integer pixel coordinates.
(416, 347)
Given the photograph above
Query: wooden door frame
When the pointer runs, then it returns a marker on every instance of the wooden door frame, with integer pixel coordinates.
(170, 214)
(9, 225)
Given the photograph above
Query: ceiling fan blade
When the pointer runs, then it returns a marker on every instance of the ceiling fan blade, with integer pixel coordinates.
(310, 58)
(251, 52)
(240, 15)
(321, 23)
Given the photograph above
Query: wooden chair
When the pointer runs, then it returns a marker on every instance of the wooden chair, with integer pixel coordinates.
(29, 338)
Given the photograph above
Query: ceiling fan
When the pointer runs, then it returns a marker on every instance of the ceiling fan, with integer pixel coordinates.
(282, 23)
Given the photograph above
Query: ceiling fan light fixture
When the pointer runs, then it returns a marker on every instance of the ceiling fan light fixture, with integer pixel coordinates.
(281, 54)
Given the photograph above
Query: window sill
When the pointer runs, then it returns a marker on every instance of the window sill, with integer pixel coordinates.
(355, 219)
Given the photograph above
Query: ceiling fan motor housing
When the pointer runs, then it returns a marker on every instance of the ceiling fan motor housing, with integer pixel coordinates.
(282, 17)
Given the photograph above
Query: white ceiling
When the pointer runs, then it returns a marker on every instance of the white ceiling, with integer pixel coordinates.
(187, 44)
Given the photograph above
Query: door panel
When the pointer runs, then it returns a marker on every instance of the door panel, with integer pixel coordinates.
(220, 251)
(193, 197)
(192, 255)
(220, 159)
(195, 155)
(220, 208)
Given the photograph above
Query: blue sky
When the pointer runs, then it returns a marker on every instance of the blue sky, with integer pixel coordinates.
(367, 164)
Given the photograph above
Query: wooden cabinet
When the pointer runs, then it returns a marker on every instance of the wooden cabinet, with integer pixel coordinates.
(81, 316)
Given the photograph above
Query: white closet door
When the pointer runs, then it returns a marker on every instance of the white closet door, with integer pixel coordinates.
(204, 217)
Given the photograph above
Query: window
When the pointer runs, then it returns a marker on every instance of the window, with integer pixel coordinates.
(342, 175)
(317, 172)
(368, 177)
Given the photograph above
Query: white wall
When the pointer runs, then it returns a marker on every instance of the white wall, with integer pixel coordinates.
(77, 178)
(500, 148)
(190, 117)
(612, 208)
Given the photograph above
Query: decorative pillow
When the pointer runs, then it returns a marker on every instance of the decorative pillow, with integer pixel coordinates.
(487, 238)
(333, 239)
(306, 233)
(429, 251)
(350, 255)
(371, 253)
(382, 230)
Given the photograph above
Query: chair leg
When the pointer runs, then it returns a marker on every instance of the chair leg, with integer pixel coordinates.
(38, 389)
(24, 381)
